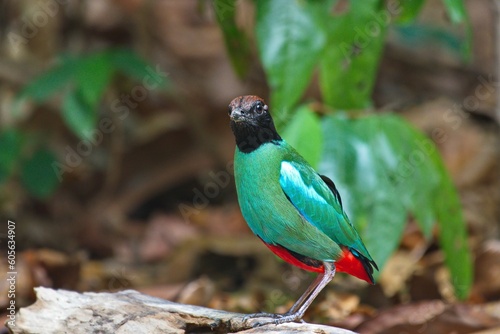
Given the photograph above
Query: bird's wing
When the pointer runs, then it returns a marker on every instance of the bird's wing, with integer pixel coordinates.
(319, 203)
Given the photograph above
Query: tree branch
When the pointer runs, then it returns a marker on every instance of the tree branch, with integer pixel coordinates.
(61, 311)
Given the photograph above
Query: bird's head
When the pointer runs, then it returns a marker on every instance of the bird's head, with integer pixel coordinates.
(251, 122)
(250, 109)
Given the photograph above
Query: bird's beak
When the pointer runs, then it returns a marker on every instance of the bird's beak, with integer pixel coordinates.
(237, 115)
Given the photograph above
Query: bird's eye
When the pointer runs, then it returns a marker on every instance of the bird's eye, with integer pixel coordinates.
(259, 108)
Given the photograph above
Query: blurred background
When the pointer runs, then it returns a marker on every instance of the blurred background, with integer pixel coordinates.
(116, 152)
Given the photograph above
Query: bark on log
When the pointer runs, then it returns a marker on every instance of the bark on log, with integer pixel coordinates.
(61, 311)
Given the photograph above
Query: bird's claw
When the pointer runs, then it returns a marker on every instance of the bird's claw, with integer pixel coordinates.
(262, 315)
(272, 318)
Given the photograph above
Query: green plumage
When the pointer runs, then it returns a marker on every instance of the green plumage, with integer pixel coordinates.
(294, 210)
(310, 221)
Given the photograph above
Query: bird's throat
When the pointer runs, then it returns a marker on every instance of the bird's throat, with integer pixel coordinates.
(250, 137)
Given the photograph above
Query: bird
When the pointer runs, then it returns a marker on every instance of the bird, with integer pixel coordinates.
(293, 209)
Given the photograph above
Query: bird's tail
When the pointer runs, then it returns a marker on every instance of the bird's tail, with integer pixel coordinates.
(356, 264)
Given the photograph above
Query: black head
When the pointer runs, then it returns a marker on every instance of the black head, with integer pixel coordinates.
(251, 123)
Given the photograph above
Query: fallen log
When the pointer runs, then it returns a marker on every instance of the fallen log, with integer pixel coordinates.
(62, 311)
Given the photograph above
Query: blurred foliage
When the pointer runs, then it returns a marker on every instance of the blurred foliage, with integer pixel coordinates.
(11, 142)
(387, 169)
(82, 80)
(390, 170)
(237, 42)
(37, 174)
(305, 124)
(25, 157)
(290, 43)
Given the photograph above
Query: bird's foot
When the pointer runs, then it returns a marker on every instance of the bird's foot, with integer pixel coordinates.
(262, 315)
(272, 318)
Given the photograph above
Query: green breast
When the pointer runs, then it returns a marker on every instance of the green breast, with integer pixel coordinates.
(259, 192)
(268, 212)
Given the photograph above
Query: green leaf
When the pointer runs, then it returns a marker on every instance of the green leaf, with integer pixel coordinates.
(413, 169)
(385, 171)
(458, 14)
(50, 82)
(93, 76)
(290, 38)
(237, 42)
(134, 66)
(357, 156)
(10, 151)
(456, 10)
(350, 61)
(37, 174)
(419, 36)
(453, 237)
(86, 79)
(410, 10)
(80, 117)
(304, 133)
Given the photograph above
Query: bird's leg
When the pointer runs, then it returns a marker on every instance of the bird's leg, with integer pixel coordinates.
(302, 304)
